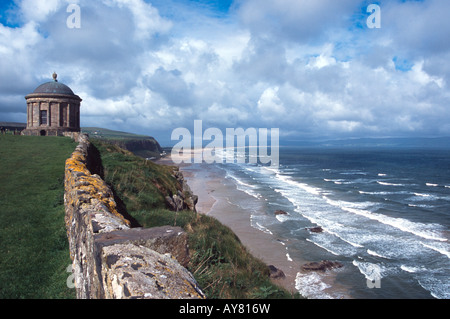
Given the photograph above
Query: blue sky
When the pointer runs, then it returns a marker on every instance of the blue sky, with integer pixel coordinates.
(311, 68)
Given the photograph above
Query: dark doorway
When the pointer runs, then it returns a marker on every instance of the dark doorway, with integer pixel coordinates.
(43, 133)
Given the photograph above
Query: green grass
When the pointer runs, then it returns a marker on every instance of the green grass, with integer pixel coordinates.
(136, 181)
(220, 263)
(33, 242)
(97, 132)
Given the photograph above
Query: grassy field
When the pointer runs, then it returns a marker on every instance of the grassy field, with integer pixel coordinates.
(33, 242)
(106, 134)
(220, 263)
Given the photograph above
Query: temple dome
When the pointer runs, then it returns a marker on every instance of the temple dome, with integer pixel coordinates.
(53, 87)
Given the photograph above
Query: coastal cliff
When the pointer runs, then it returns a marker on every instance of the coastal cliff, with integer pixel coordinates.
(140, 145)
(109, 258)
(146, 148)
(142, 191)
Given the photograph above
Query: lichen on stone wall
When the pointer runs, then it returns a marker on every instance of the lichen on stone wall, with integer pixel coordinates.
(98, 235)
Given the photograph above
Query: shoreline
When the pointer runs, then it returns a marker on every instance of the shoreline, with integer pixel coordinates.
(207, 185)
(210, 190)
(213, 200)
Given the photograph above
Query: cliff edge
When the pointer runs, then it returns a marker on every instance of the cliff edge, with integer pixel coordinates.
(109, 258)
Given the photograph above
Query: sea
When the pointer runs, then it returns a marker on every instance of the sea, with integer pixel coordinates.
(385, 216)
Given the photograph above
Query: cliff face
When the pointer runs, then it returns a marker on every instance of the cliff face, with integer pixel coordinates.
(146, 148)
(111, 259)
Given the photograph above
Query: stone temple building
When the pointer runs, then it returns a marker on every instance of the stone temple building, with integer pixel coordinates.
(52, 110)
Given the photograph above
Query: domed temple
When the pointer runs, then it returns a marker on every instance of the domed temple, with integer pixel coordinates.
(52, 110)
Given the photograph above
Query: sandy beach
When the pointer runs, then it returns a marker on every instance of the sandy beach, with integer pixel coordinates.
(207, 185)
(216, 200)
(213, 202)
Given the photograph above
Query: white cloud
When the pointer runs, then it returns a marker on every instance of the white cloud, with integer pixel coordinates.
(308, 67)
(270, 105)
(39, 10)
(419, 75)
(146, 18)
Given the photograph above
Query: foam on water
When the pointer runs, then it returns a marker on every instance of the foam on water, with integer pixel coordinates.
(370, 270)
(312, 285)
(442, 248)
(427, 231)
(389, 184)
(373, 253)
(365, 218)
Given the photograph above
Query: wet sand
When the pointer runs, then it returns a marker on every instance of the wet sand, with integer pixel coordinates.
(212, 195)
(215, 199)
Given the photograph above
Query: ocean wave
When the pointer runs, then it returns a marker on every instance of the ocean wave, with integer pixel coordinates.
(369, 270)
(423, 195)
(389, 184)
(239, 181)
(427, 197)
(443, 249)
(288, 180)
(437, 284)
(320, 245)
(421, 206)
(354, 173)
(431, 185)
(412, 269)
(427, 231)
(373, 253)
(385, 193)
(311, 285)
(282, 218)
(255, 224)
(249, 189)
(338, 181)
(343, 238)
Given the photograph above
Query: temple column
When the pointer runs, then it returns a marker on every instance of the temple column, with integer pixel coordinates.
(49, 115)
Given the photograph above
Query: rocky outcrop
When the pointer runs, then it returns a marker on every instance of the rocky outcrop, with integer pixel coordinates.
(109, 258)
(317, 229)
(322, 266)
(184, 198)
(275, 273)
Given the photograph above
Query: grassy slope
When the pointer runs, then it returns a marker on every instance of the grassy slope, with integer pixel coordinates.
(220, 263)
(33, 242)
(126, 140)
(110, 134)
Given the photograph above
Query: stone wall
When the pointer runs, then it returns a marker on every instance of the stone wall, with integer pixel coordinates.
(109, 258)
